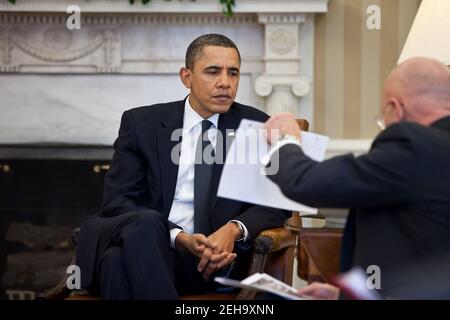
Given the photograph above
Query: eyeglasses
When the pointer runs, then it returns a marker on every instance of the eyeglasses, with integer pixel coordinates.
(380, 119)
(380, 122)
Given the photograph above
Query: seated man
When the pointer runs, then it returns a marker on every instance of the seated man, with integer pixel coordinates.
(399, 191)
(162, 231)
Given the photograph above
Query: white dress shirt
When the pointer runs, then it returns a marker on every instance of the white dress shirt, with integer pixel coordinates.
(182, 210)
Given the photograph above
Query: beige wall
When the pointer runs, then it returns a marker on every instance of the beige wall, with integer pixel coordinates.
(351, 63)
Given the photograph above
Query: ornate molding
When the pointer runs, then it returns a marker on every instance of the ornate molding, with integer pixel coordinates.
(5, 48)
(45, 54)
(286, 18)
(264, 85)
(127, 18)
(162, 6)
(56, 46)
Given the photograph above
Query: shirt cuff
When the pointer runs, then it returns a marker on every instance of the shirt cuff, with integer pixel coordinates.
(173, 235)
(265, 160)
(246, 235)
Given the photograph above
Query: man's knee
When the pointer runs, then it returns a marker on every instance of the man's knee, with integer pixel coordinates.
(149, 218)
(149, 222)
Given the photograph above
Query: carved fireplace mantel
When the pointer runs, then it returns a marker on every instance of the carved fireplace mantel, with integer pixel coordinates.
(160, 6)
(70, 86)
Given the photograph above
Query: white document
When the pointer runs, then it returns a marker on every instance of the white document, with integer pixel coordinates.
(354, 284)
(243, 176)
(263, 282)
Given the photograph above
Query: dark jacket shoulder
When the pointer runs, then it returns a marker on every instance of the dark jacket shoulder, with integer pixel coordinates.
(247, 112)
(403, 133)
(412, 134)
(155, 112)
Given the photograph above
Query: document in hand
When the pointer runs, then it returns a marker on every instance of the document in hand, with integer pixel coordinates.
(262, 282)
(354, 284)
(243, 176)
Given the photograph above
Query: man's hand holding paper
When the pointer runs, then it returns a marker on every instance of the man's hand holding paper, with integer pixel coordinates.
(244, 176)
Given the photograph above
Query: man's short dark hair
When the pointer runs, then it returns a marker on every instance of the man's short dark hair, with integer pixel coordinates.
(195, 49)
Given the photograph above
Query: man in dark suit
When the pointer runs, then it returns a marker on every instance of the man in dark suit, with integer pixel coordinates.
(399, 191)
(162, 231)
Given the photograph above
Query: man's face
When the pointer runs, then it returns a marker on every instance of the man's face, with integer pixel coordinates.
(214, 80)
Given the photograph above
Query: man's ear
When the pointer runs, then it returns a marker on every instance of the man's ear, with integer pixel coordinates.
(185, 76)
(399, 109)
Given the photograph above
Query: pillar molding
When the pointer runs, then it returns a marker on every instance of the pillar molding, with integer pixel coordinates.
(282, 83)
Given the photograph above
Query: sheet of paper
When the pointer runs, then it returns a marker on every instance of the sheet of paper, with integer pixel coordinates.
(354, 284)
(263, 282)
(243, 177)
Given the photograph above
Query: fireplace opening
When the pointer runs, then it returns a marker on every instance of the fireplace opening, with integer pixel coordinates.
(46, 192)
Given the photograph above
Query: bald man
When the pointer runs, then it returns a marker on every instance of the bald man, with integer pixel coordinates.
(399, 192)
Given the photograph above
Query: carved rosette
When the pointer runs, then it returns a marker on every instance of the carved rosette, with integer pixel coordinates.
(282, 41)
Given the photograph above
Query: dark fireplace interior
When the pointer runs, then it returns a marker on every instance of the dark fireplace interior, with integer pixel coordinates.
(46, 191)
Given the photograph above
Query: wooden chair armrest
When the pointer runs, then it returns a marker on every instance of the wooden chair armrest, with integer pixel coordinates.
(273, 240)
(266, 243)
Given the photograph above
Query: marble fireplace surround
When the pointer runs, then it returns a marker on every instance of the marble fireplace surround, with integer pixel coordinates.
(61, 86)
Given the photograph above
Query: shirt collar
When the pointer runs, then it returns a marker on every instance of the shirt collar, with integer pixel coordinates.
(192, 118)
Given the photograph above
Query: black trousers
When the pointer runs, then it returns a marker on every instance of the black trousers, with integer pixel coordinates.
(135, 260)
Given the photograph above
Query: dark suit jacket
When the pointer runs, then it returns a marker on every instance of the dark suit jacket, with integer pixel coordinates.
(142, 176)
(399, 192)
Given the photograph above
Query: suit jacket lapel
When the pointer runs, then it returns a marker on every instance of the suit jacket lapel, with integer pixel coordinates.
(169, 142)
(228, 121)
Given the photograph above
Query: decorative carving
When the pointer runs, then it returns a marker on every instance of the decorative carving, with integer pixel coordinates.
(58, 38)
(100, 52)
(282, 41)
(56, 56)
(293, 18)
(282, 92)
(263, 87)
(5, 48)
(299, 85)
(186, 6)
(116, 19)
